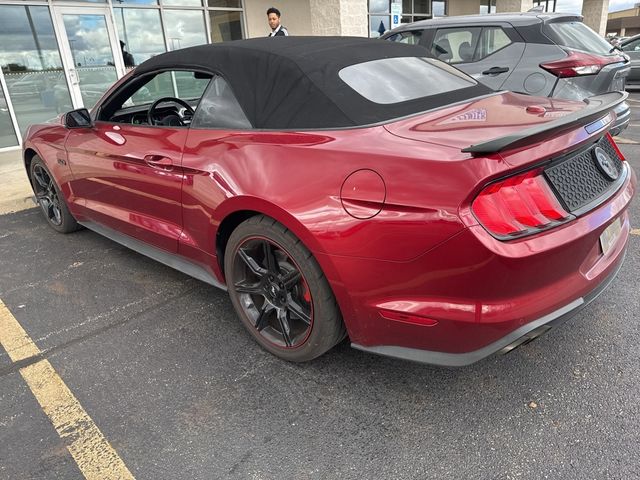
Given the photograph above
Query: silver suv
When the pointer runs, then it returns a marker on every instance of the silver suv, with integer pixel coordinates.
(548, 54)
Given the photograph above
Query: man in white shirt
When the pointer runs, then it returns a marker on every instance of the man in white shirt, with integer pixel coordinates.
(277, 30)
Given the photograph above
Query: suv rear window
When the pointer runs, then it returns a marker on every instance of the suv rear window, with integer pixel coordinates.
(394, 80)
(578, 36)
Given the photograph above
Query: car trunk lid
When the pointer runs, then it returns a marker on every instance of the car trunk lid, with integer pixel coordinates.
(483, 119)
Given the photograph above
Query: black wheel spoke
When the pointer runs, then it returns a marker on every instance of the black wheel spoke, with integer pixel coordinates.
(251, 263)
(38, 176)
(57, 213)
(44, 202)
(296, 309)
(269, 258)
(290, 279)
(252, 289)
(50, 210)
(284, 327)
(263, 318)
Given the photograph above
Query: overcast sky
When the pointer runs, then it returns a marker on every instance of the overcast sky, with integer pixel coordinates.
(575, 6)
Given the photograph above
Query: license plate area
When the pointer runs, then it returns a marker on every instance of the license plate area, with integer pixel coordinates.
(609, 237)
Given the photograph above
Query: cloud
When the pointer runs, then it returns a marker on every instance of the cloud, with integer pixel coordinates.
(184, 28)
(575, 6)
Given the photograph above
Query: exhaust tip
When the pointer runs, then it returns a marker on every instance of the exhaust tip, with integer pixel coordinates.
(526, 338)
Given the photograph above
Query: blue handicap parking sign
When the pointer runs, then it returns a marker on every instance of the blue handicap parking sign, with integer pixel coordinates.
(395, 19)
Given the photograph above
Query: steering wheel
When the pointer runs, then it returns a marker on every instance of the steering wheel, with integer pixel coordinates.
(155, 104)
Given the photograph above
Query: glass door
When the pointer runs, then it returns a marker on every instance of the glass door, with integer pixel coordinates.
(92, 59)
(8, 137)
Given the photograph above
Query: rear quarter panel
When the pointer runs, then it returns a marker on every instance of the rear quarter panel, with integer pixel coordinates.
(297, 179)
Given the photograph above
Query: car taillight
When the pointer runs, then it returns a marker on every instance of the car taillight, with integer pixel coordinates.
(520, 205)
(579, 63)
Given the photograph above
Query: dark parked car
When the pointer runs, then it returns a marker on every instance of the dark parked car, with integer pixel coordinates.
(631, 47)
(544, 54)
(344, 187)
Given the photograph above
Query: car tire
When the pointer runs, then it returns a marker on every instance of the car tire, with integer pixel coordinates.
(51, 201)
(279, 291)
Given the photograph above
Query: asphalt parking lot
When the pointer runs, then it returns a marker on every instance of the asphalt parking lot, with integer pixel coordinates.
(162, 367)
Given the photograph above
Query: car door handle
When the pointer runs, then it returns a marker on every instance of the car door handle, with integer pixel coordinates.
(158, 161)
(495, 70)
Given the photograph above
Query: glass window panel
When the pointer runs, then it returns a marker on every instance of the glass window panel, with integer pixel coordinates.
(92, 55)
(139, 2)
(411, 38)
(421, 6)
(141, 31)
(378, 6)
(492, 40)
(31, 63)
(454, 45)
(631, 46)
(378, 25)
(183, 3)
(407, 6)
(219, 108)
(225, 3)
(395, 80)
(225, 26)
(188, 88)
(487, 6)
(578, 36)
(438, 8)
(185, 28)
(7, 133)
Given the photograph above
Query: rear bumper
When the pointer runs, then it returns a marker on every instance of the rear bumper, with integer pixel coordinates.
(506, 344)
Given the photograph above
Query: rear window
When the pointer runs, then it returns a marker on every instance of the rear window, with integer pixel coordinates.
(394, 80)
(578, 36)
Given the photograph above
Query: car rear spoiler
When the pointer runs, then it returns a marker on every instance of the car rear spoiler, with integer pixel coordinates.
(596, 107)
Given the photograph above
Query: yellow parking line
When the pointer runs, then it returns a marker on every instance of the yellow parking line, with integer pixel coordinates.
(95, 457)
(635, 231)
(626, 141)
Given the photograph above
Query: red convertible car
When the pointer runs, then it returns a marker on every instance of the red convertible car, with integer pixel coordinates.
(339, 187)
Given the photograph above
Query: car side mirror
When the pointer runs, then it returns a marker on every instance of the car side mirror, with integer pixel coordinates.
(80, 118)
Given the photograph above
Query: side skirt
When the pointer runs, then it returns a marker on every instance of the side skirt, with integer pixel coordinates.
(170, 259)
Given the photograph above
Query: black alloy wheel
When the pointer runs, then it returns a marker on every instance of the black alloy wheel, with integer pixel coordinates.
(279, 291)
(273, 292)
(50, 199)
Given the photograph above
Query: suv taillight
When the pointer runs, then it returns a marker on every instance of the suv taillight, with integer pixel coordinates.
(518, 206)
(579, 63)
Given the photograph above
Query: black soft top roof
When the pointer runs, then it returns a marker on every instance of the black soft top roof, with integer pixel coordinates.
(293, 83)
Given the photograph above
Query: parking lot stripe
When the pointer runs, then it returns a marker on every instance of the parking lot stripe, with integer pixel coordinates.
(626, 141)
(93, 454)
(635, 231)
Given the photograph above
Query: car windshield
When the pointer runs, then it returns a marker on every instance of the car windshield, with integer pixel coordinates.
(394, 80)
(578, 36)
